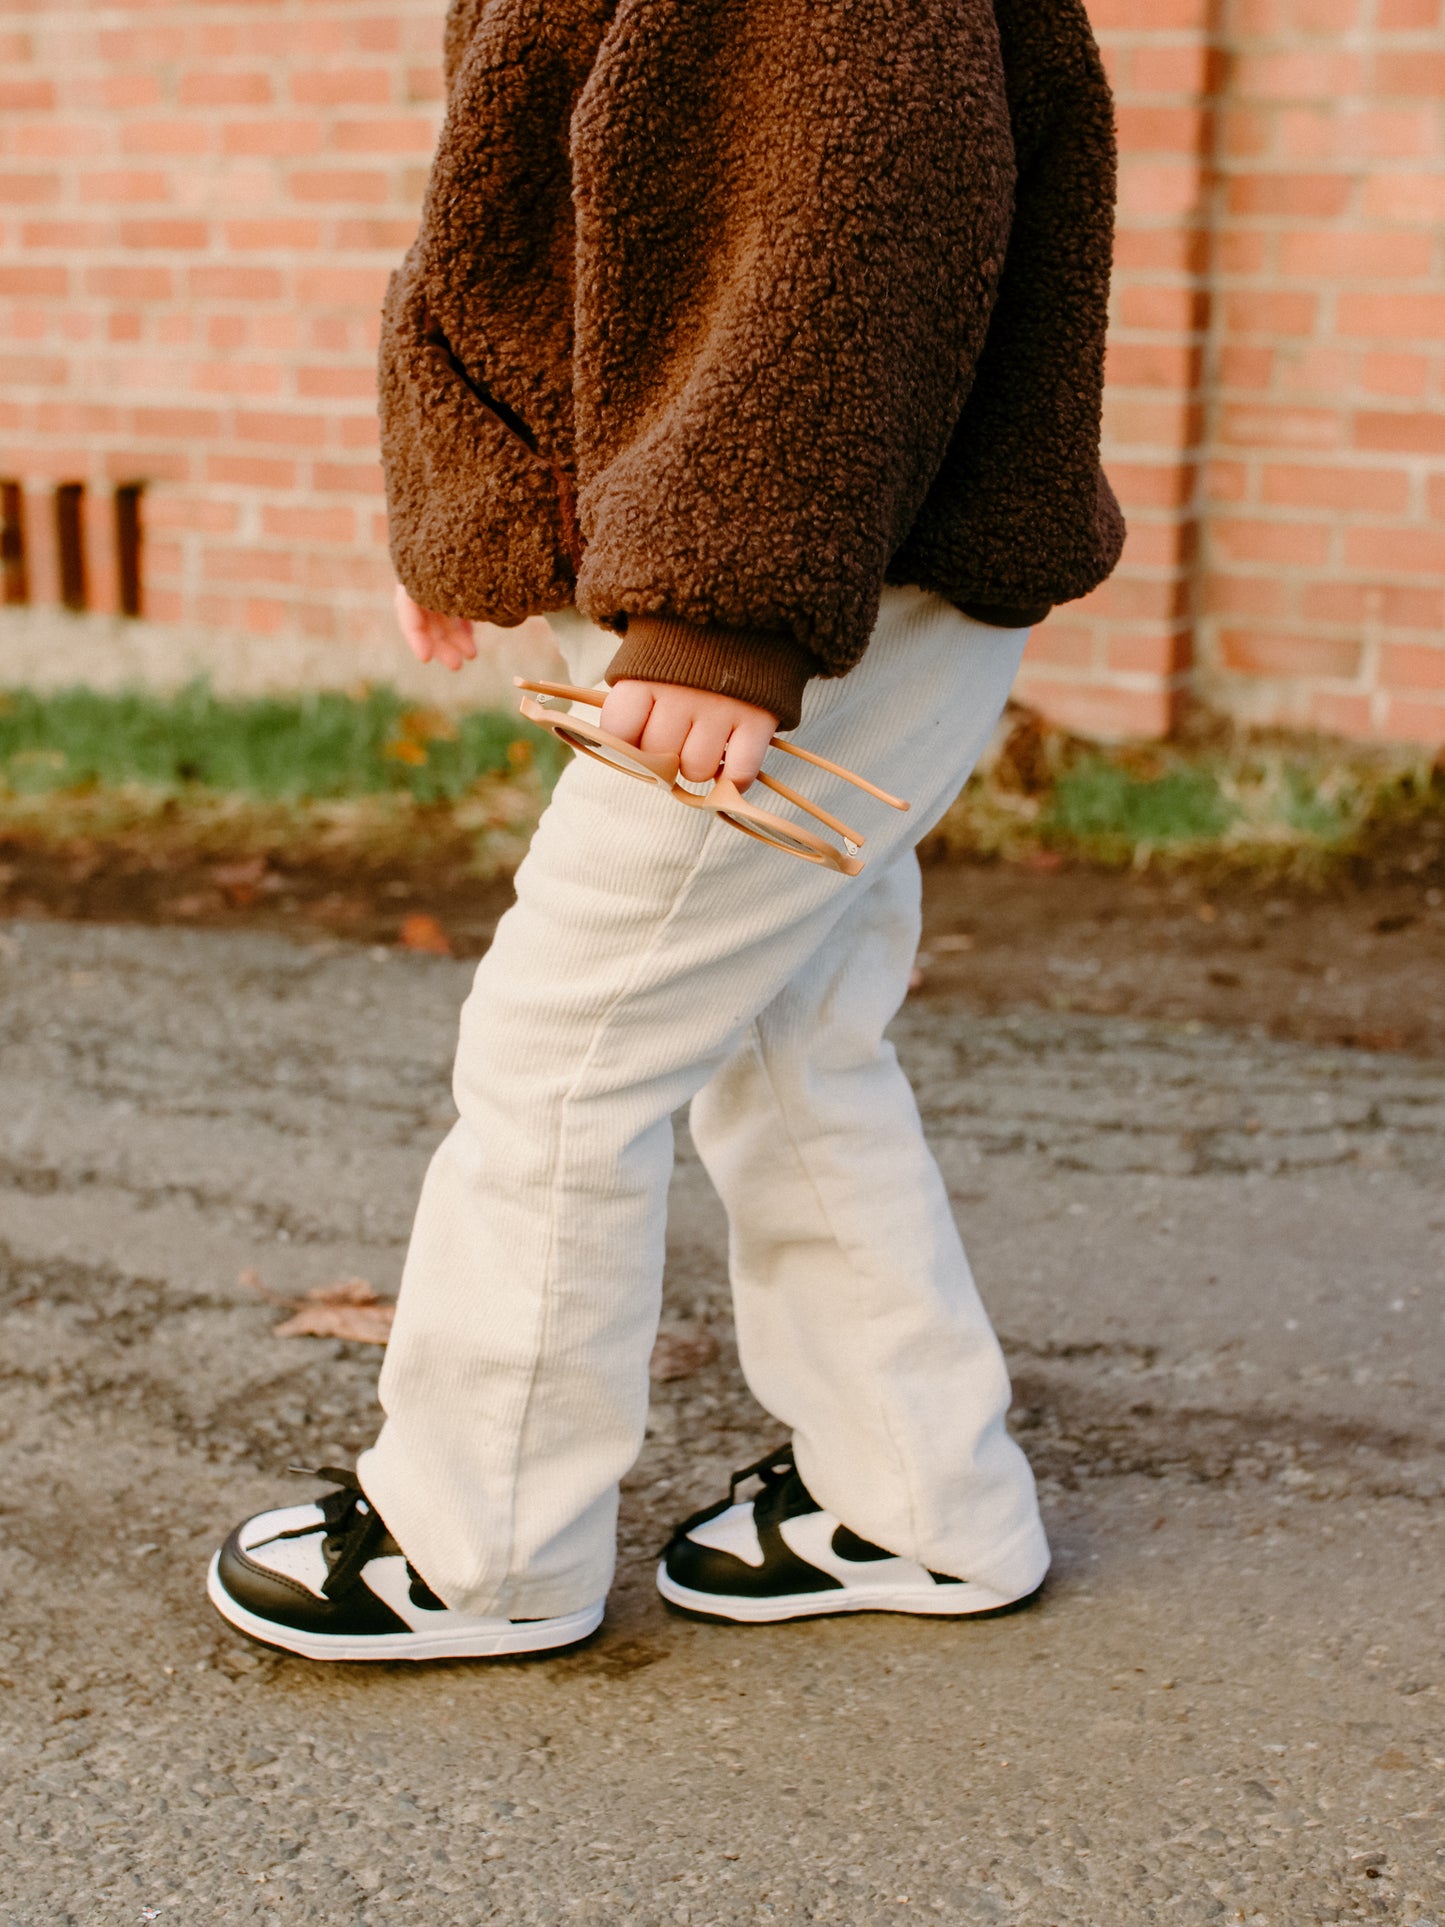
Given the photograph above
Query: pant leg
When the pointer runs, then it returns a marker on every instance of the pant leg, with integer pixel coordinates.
(858, 1322)
(644, 940)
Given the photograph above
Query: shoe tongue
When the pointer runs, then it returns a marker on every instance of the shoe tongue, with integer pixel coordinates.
(337, 1545)
(788, 1499)
(351, 1545)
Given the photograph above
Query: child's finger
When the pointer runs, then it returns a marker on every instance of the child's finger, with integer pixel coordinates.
(459, 635)
(747, 746)
(673, 708)
(702, 751)
(414, 625)
(627, 710)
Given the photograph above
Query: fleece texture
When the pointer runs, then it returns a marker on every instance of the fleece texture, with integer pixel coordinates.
(724, 312)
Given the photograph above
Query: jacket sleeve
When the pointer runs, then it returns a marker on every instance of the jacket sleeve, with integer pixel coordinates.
(475, 369)
(1021, 512)
(791, 220)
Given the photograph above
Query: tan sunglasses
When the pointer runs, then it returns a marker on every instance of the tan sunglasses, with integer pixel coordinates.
(722, 796)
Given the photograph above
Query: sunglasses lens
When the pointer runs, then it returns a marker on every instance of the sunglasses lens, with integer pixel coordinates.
(779, 838)
(600, 753)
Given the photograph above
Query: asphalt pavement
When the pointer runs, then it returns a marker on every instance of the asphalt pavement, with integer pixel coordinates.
(1216, 1263)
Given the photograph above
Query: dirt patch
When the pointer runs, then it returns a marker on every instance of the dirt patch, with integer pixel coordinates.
(1355, 963)
(1361, 966)
(364, 894)
(1072, 1430)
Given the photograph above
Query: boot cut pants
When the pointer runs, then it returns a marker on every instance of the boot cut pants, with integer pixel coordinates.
(656, 957)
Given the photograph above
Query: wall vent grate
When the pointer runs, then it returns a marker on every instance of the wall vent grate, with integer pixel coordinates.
(70, 545)
(14, 567)
(128, 547)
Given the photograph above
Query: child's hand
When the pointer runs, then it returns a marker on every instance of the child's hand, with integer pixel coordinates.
(705, 731)
(432, 637)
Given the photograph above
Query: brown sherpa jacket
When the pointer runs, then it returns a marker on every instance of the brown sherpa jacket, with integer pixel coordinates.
(724, 312)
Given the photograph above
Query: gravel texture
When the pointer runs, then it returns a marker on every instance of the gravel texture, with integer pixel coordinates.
(1217, 1267)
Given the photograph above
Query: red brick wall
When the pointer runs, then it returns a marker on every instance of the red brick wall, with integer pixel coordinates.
(1117, 662)
(1275, 422)
(200, 201)
(1325, 530)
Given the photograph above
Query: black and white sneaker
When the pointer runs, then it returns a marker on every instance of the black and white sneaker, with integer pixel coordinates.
(328, 1581)
(780, 1556)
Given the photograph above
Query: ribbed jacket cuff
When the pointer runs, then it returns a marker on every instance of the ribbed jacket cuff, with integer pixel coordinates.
(751, 665)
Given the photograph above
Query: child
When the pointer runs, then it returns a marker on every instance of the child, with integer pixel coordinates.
(759, 344)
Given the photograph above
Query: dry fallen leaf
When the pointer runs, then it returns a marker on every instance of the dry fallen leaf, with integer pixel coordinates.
(428, 726)
(401, 749)
(1378, 1039)
(241, 882)
(422, 932)
(350, 1308)
(681, 1351)
(363, 1324)
(346, 1291)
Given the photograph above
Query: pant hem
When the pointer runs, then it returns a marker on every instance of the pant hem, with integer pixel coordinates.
(1014, 1565)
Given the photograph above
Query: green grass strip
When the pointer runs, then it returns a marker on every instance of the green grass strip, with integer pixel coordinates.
(1265, 801)
(1097, 799)
(318, 746)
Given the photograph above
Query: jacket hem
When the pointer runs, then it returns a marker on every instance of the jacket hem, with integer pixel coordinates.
(998, 615)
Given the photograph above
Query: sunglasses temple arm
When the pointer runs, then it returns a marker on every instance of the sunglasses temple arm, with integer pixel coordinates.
(834, 823)
(562, 691)
(837, 769)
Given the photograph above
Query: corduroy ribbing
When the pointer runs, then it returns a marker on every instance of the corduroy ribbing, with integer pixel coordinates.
(653, 951)
(751, 665)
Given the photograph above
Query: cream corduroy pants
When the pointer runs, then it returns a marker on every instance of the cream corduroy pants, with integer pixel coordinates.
(655, 956)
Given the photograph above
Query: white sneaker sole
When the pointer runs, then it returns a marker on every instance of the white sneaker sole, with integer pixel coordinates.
(940, 1602)
(487, 1639)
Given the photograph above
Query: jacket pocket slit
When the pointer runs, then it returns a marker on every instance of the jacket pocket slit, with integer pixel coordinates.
(518, 429)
